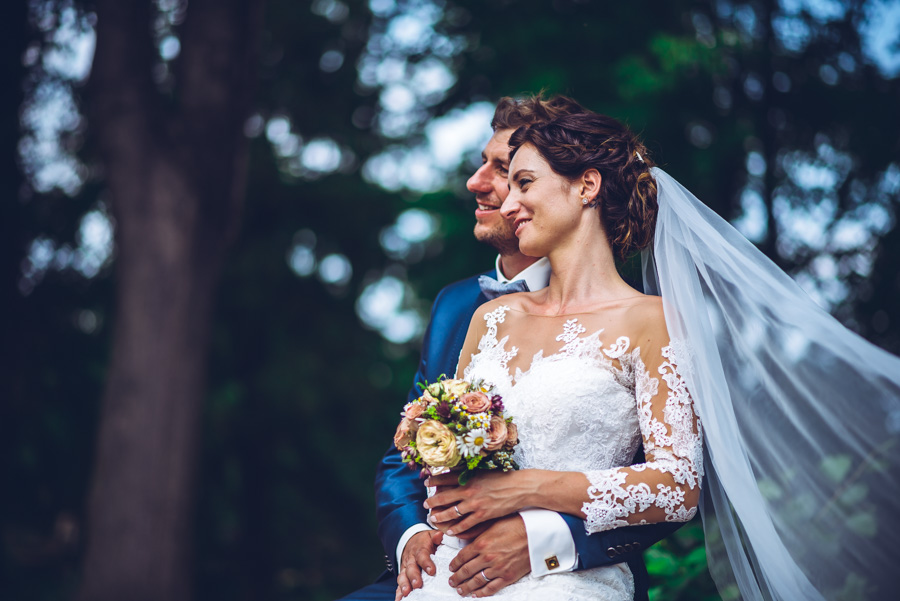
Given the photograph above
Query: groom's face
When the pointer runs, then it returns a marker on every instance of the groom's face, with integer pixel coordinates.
(490, 185)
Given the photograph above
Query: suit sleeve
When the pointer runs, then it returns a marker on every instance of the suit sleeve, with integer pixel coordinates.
(616, 545)
(399, 493)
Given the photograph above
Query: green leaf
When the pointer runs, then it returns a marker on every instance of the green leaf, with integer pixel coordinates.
(660, 562)
(863, 523)
(697, 556)
(854, 588)
(854, 494)
(836, 467)
(770, 489)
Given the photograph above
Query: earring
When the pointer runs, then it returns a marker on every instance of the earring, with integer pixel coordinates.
(584, 200)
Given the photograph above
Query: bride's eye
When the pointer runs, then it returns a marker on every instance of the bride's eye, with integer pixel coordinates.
(523, 183)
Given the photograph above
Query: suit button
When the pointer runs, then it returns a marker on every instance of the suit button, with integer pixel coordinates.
(637, 546)
(620, 549)
(611, 552)
(628, 548)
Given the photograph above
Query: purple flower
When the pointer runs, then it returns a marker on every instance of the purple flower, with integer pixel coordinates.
(443, 409)
(496, 404)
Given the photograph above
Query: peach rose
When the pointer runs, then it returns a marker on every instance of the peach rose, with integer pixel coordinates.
(512, 435)
(476, 402)
(406, 431)
(437, 444)
(497, 435)
(414, 410)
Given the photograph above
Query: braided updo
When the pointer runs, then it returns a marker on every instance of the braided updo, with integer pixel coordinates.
(572, 144)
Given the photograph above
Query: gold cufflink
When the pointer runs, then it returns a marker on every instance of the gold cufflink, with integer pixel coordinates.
(552, 562)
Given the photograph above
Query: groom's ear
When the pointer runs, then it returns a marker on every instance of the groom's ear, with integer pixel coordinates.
(589, 184)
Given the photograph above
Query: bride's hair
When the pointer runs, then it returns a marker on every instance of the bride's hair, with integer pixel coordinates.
(573, 144)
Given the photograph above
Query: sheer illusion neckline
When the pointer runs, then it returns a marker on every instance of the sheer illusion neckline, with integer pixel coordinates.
(575, 343)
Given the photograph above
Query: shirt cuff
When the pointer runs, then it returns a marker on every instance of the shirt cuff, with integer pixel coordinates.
(550, 545)
(414, 529)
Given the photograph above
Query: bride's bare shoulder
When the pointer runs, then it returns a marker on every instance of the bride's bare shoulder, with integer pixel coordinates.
(517, 301)
(508, 300)
(646, 318)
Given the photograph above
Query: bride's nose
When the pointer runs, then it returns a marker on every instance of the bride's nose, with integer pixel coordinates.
(511, 205)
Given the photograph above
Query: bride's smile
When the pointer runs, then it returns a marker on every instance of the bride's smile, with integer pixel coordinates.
(544, 207)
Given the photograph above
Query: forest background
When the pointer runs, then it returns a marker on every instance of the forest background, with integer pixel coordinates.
(223, 223)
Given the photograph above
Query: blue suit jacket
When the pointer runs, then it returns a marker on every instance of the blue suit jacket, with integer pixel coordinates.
(399, 493)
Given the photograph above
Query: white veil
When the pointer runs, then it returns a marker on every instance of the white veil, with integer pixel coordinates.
(801, 418)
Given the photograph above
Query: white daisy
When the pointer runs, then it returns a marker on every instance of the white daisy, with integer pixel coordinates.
(480, 420)
(471, 443)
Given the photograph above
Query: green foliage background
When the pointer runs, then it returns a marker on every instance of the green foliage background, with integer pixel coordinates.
(303, 394)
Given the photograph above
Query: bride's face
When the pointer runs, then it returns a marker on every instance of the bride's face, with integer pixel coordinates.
(543, 206)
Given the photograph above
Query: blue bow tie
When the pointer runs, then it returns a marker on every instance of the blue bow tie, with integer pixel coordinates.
(491, 288)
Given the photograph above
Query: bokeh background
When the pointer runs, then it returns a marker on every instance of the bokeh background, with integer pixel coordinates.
(223, 222)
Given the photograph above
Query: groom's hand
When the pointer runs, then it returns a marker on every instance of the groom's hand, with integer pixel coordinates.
(500, 553)
(415, 558)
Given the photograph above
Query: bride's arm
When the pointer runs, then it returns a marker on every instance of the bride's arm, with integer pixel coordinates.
(476, 330)
(664, 488)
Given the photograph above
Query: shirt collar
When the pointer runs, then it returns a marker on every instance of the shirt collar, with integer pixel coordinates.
(536, 275)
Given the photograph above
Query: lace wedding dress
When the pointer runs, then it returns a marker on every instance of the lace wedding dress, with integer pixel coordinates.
(586, 407)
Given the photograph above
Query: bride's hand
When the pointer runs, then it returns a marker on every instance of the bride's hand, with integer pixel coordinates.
(487, 496)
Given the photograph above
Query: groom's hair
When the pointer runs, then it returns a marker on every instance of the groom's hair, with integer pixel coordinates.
(513, 113)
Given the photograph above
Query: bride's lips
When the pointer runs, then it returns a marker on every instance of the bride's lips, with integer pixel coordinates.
(519, 224)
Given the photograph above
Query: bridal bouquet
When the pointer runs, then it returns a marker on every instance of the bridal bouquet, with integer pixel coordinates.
(457, 425)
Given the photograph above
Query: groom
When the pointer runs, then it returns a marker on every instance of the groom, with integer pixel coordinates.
(535, 541)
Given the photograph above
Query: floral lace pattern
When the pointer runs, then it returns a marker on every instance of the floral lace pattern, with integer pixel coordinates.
(586, 408)
(674, 450)
(558, 403)
(489, 346)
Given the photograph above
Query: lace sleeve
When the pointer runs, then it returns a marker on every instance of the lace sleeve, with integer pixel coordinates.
(667, 486)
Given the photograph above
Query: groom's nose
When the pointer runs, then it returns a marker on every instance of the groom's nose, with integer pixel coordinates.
(480, 182)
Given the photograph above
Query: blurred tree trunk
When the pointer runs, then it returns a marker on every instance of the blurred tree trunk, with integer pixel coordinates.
(175, 166)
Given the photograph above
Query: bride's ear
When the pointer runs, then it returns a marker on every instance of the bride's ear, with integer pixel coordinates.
(589, 185)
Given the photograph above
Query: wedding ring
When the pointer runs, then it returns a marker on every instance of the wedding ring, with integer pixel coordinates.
(486, 579)
(456, 509)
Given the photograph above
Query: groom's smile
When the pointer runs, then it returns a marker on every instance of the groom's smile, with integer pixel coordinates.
(490, 186)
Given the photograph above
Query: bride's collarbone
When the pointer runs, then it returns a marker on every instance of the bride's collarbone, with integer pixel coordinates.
(537, 304)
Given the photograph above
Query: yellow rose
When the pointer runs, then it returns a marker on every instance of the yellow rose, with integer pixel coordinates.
(437, 444)
(456, 388)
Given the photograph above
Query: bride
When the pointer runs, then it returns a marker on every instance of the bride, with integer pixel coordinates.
(585, 365)
(801, 493)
